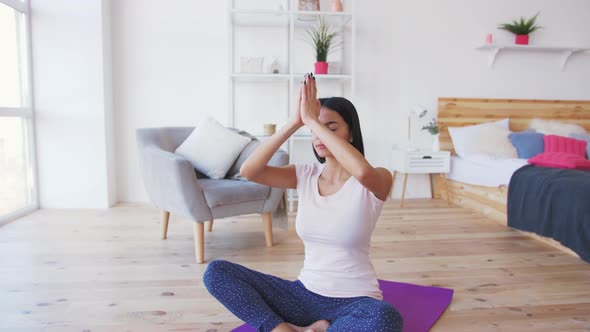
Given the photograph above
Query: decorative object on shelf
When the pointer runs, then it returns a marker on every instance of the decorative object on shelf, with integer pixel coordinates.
(436, 143)
(251, 64)
(270, 128)
(244, 64)
(434, 130)
(274, 65)
(320, 68)
(336, 5)
(489, 39)
(279, 5)
(309, 5)
(256, 64)
(522, 29)
(322, 40)
(420, 112)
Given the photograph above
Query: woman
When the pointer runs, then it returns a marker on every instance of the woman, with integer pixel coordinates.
(339, 203)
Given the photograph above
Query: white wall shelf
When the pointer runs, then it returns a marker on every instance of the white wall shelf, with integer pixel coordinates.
(260, 76)
(290, 12)
(326, 77)
(566, 52)
(258, 18)
(281, 77)
(307, 18)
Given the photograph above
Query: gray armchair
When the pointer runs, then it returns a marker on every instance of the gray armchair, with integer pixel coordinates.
(174, 186)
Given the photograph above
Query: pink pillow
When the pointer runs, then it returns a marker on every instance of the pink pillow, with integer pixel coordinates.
(554, 143)
(560, 160)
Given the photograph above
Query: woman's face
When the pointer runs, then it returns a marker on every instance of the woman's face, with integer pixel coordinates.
(333, 121)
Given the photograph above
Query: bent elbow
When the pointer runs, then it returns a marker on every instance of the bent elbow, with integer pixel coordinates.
(249, 172)
(364, 174)
(244, 171)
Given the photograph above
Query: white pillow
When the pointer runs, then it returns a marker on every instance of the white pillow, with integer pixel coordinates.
(461, 136)
(549, 127)
(491, 140)
(211, 148)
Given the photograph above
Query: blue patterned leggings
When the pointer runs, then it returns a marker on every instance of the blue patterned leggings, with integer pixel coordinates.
(265, 301)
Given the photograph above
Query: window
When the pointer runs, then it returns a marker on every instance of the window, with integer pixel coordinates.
(17, 190)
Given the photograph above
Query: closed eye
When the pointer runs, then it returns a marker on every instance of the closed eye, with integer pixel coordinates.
(332, 125)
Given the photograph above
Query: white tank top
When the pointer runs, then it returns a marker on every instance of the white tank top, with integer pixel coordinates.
(336, 231)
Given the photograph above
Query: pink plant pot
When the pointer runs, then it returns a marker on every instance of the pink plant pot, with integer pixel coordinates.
(336, 5)
(320, 68)
(521, 39)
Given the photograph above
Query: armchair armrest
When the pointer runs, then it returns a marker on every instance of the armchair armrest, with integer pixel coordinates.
(171, 183)
(279, 158)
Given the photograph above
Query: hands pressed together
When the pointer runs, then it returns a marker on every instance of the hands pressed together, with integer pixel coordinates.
(309, 105)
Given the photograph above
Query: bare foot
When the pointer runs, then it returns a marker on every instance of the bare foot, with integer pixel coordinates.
(319, 326)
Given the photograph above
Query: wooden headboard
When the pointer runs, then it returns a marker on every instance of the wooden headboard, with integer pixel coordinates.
(459, 112)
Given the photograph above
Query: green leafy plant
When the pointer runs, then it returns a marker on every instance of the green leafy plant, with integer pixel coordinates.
(432, 127)
(522, 27)
(323, 39)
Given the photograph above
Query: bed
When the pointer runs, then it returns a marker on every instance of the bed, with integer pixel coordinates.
(498, 172)
(552, 202)
(490, 198)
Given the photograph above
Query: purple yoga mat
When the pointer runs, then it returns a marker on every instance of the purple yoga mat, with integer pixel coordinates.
(420, 306)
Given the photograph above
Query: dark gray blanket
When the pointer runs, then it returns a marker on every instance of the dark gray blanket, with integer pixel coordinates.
(554, 203)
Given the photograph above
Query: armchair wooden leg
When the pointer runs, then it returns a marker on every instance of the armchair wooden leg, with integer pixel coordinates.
(209, 225)
(404, 191)
(165, 219)
(267, 219)
(199, 230)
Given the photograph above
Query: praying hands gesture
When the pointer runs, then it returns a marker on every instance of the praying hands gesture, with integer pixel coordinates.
(309, 106)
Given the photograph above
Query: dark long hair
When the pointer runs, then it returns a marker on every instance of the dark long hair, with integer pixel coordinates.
(347, 111)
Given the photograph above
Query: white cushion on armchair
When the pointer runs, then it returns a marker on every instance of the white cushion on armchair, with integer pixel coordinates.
(211, 148)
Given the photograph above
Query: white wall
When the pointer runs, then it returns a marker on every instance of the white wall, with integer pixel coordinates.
(377, 85)
(170, 67)
(72, 104)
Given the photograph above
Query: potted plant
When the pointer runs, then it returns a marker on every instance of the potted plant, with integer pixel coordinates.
(522, 29)
(322, 40)
(434, 130)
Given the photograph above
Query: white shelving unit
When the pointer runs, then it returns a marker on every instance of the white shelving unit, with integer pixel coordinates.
(566, 52)
(254, 76)
(287, 28)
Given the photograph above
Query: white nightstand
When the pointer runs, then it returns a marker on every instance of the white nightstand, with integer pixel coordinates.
(421, 162)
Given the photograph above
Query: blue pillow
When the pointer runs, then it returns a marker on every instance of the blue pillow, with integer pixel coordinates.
(584, 137)
(528, 143)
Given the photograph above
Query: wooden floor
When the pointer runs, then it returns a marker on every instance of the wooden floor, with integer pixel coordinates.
(108, 270)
